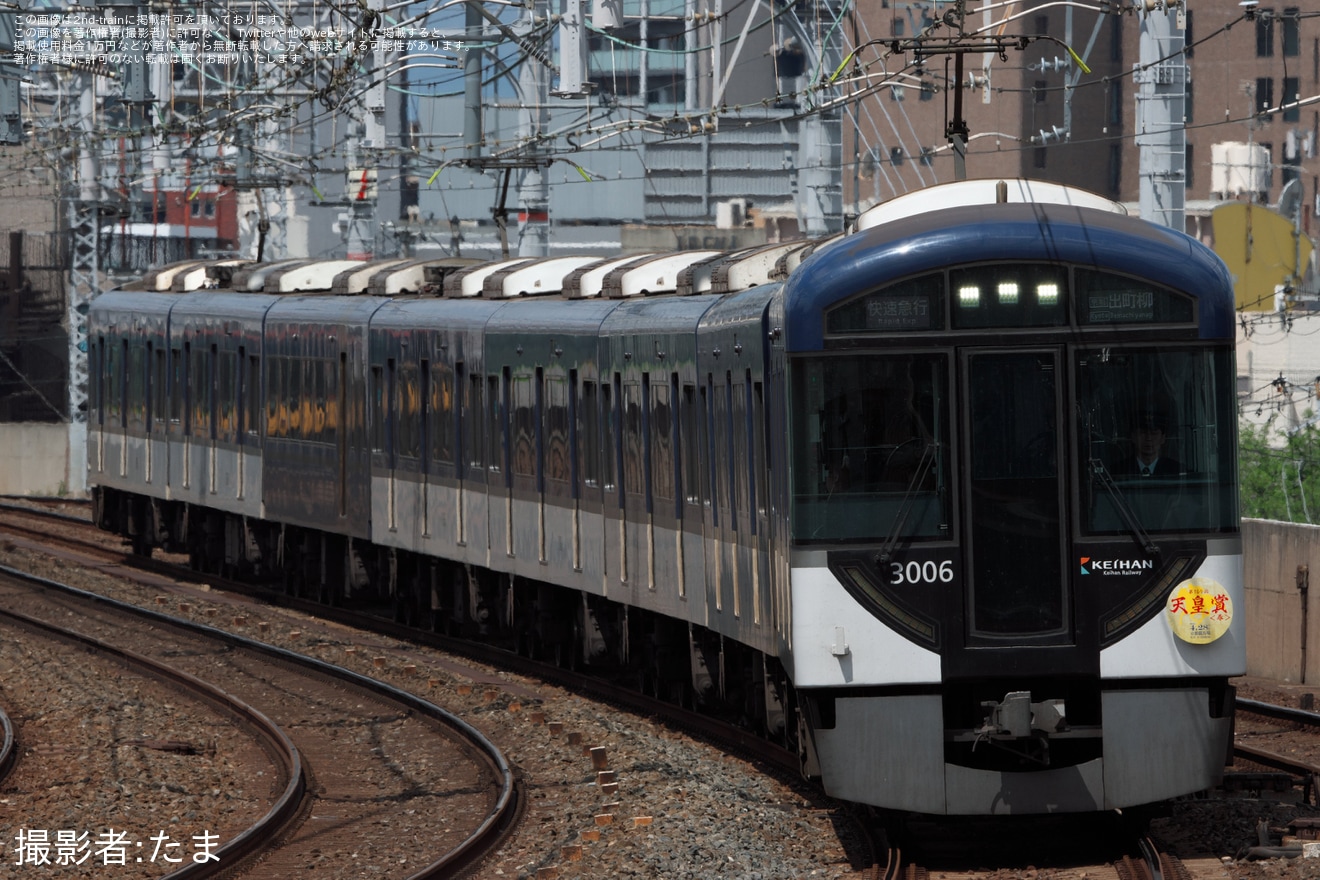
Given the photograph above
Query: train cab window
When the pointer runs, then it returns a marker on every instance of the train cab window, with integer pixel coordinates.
(1009, 295)
(870, 440)
(1159, 452)
(1106, 298)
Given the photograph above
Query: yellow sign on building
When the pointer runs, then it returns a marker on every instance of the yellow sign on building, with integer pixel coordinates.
(1262, 249)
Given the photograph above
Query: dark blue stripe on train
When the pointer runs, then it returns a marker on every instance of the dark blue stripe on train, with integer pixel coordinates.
(981, 233)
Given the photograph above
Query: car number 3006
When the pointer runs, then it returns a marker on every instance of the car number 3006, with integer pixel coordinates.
(927, 572)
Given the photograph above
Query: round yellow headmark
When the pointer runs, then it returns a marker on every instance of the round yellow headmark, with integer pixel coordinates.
(1199, 610)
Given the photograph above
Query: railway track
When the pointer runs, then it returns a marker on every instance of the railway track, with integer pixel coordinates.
(85, 539)
(455, 789)
(78, 537)
(886, 863)
(285, 760)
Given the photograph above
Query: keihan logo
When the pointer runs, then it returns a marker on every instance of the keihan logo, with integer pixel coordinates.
(1092, 565)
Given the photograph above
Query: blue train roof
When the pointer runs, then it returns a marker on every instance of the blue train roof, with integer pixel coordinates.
(996, 232)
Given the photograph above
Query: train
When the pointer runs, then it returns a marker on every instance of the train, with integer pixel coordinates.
(886, 497)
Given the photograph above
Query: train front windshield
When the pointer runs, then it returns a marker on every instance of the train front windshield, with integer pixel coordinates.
(874, 447)
(1154, 441)
(1156, 431)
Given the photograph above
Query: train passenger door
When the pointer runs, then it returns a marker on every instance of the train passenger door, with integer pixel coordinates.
(1018, 614)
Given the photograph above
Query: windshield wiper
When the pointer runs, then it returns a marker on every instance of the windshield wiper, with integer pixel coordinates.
(905, 506)
(1129, 516)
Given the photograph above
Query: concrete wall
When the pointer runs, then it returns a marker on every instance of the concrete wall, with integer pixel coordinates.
(43, 459)
(1277, 614)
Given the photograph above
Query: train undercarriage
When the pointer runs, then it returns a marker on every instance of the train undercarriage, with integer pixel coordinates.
(678, 662)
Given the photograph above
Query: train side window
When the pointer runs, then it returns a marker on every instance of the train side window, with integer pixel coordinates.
(442, 407)
(199, 390)
(647, 458)
(122, 374)
(115, 400)
(558, 465)
(210, 411)
(614, 438)
(709, 447)
(474, 415)
(178, 380)
(377, 409)
(275, 402)
(538, 426)
(148, 390)
(498, 435)
(739, 448)
(272, 397)
(338, 416)
(96, 380)
(760, 454)
(571, 419)
(320, 400)
(690, 444)
(589, 435)
(139, 386)
(286, 395)
(662, 443)
(407, 412)
(633, 479)
(229, 386)
(185, 403)
(391, 413)
(160, 390)
(253, 394)
(524, 427)
(425, 414)
(297, 370)
(241, 389)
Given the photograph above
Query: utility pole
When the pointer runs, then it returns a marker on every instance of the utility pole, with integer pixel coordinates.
(534, 188)
(1161, 79)
(84, 273)
(819, 180)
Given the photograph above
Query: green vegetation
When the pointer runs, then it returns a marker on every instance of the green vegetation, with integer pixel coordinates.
(1280, 473)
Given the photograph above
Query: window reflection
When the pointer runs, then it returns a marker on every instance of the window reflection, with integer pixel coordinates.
(871, 440)
(1158, 432)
